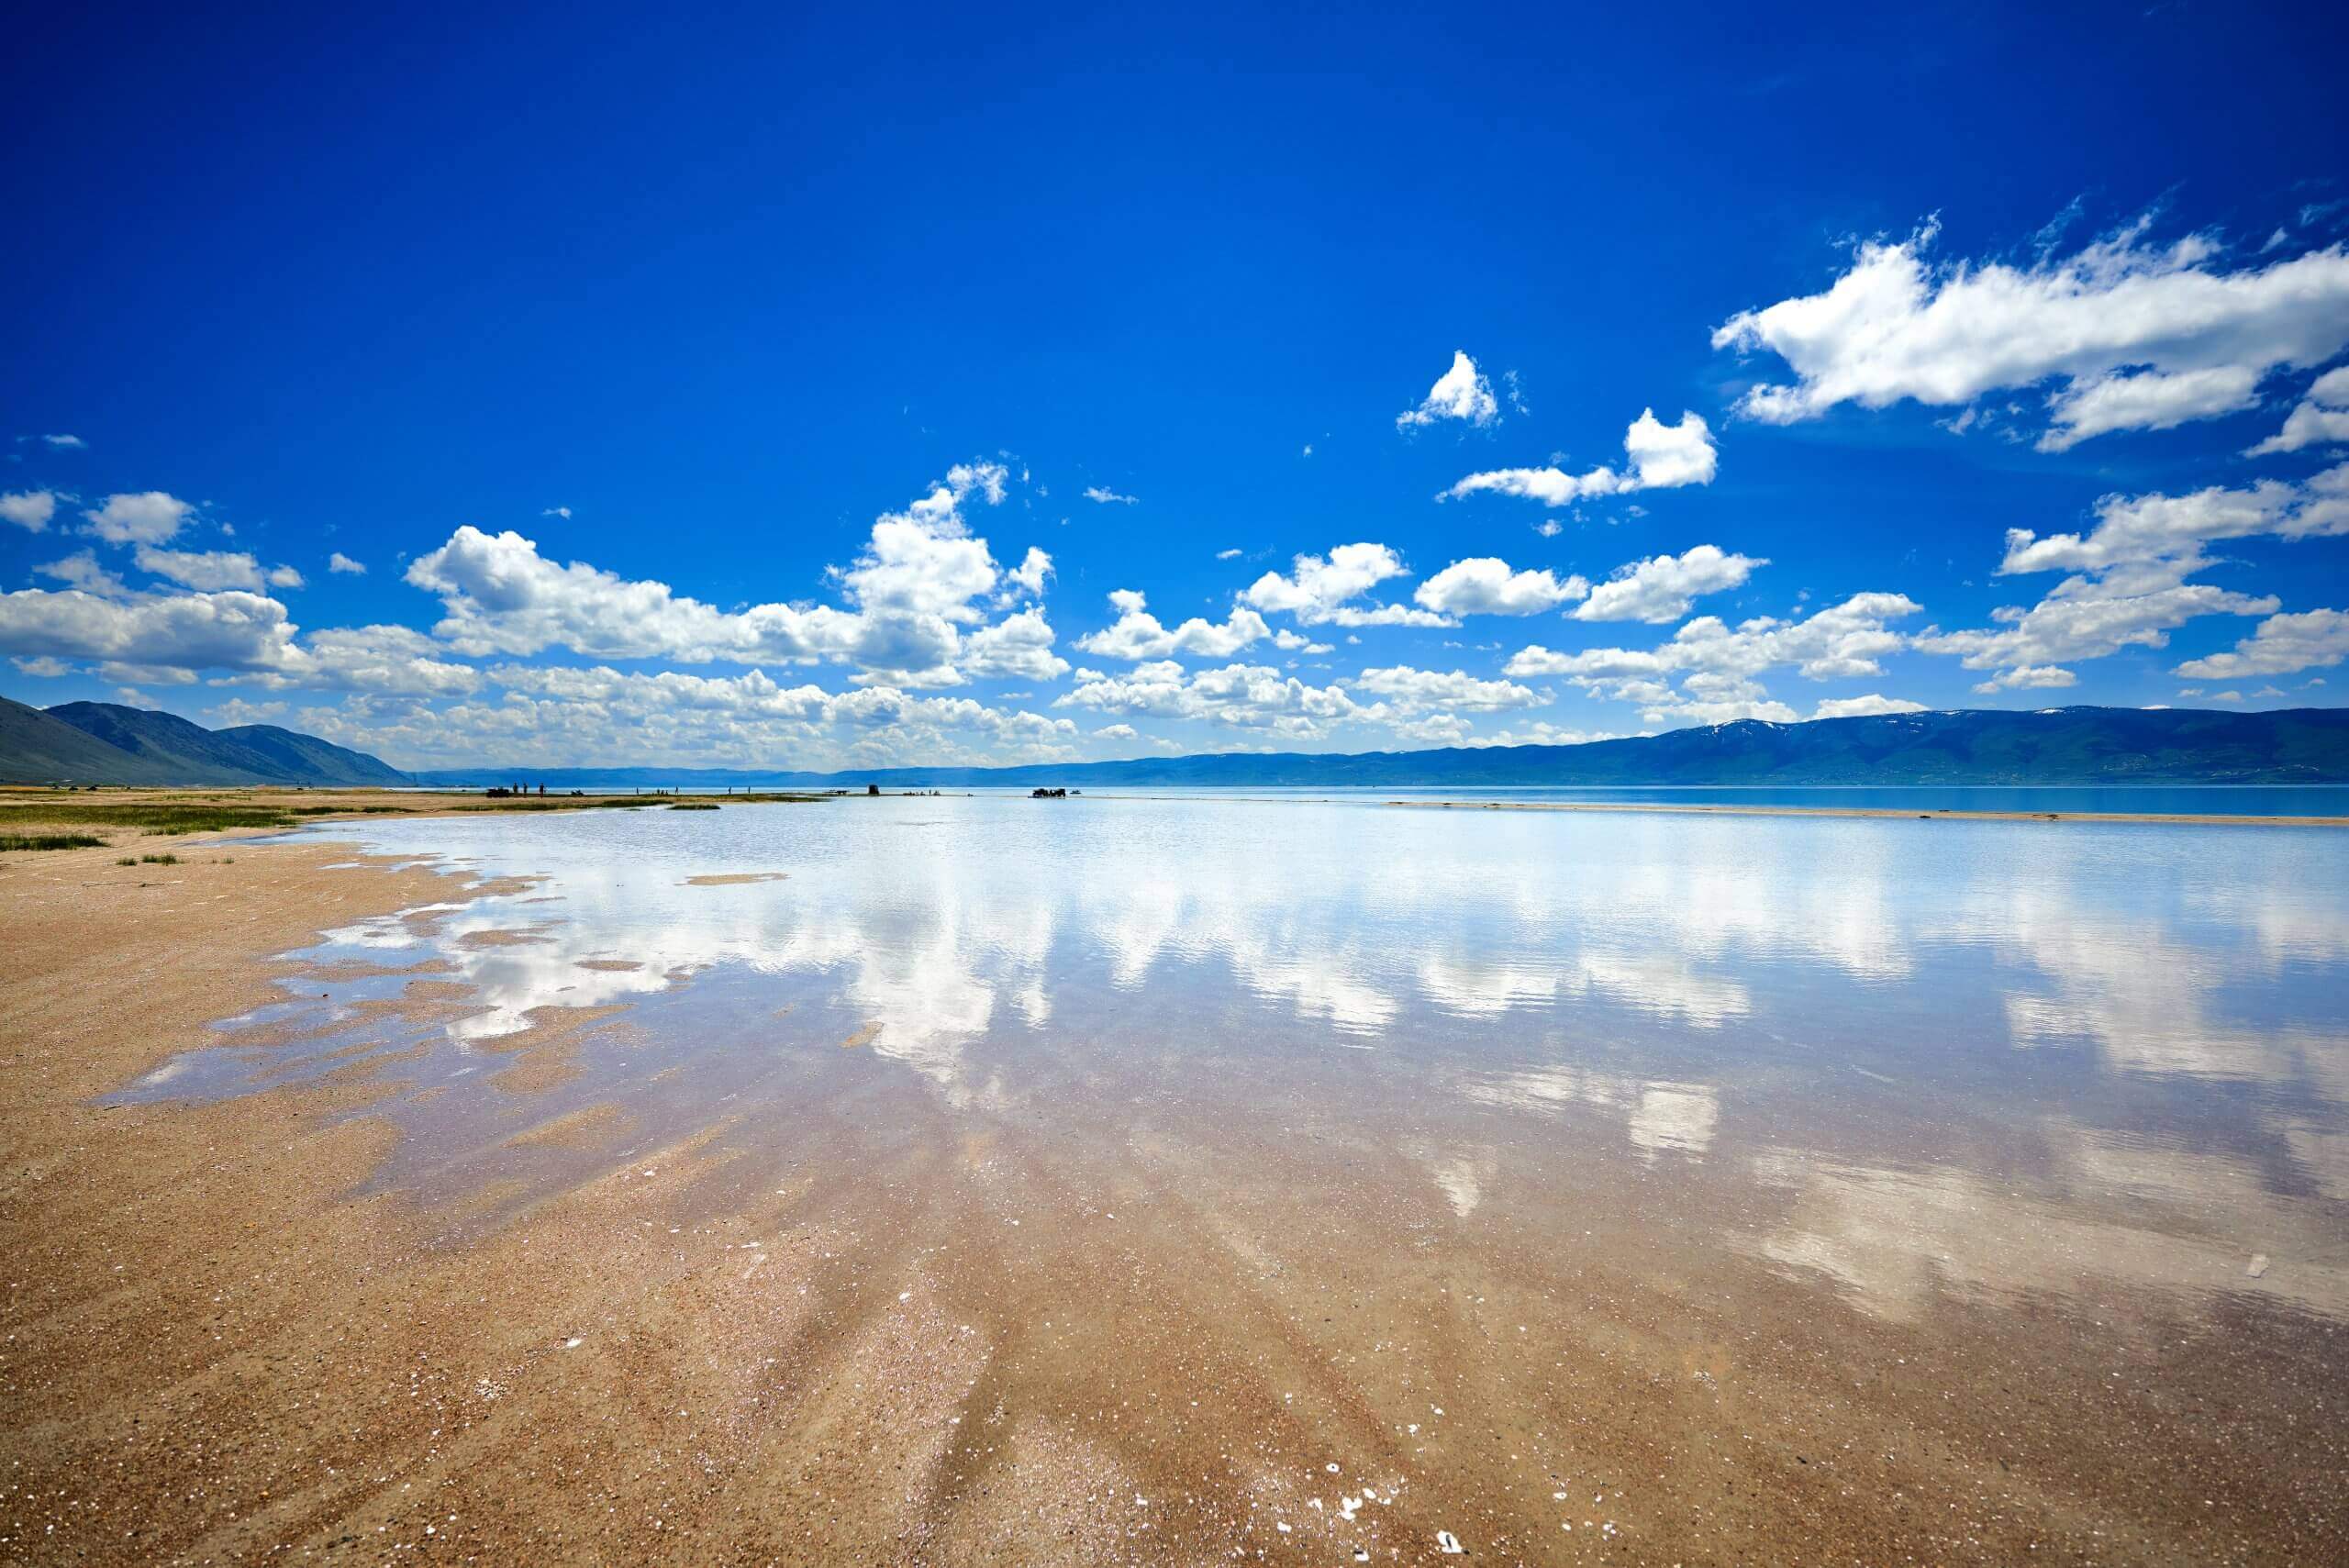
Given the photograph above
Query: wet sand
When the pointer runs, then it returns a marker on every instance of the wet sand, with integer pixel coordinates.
(1088, 1317)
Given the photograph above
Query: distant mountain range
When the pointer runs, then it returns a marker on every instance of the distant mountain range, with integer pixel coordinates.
(102, 743)
(95, 743)
(2056, 746)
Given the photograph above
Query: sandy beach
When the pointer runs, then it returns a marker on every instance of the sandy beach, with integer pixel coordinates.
(895, 1328)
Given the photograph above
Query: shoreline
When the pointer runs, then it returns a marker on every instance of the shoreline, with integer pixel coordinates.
(119, 809)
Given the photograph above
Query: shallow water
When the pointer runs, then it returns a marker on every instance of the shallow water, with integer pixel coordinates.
(2096, 800)
(1979, 1060)
(1790, 1188)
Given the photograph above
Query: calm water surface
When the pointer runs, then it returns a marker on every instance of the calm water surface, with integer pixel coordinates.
(2154, 800)
(1978, 1060)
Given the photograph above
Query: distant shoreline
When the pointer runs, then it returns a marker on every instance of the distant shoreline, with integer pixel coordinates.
(2177, 819)
(226, 814)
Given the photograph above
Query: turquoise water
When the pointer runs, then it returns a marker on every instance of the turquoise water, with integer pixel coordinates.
(1979, 1057)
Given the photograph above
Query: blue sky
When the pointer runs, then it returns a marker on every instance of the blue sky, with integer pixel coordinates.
(747, 390)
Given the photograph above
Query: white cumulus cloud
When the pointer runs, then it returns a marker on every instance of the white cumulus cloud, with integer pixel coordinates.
(2321, 420)
(1866, 707)
(1017, 647)
(1659, 457)
(187, 631)
(207, 571)
(150, 517)
(1662, 587)
(29, 509)
(1484, 585)
(1717, 666)
(1243, 696)
(1136, 635)
(2127, 584)
(2134, 334)
(912, 592)
(1320, 590)
(2028, 677)
(1413, 691)
(1460, 392)
(2278, 646)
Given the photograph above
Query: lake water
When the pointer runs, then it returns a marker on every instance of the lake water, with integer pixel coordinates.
(2023, 1102)
(2155, 1010)
(2094, 800)
(2155, 800)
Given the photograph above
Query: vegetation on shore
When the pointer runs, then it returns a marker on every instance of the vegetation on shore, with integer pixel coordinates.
(174, 811)
(50, 841)
(165, 815)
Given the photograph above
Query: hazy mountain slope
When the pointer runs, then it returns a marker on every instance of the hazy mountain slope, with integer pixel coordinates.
(37, 748)
(306, 759)
(187, 752)
(88, 742)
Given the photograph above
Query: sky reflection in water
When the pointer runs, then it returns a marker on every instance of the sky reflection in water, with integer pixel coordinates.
(1984, 1060)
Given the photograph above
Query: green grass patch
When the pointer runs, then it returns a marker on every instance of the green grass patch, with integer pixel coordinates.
(159, 860)
(694, 806)
(216, 813)
(154, 816)
(50, 841)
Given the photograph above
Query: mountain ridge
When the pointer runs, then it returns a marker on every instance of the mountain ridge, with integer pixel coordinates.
(2079, 745)
(107, 743)
(91, 742)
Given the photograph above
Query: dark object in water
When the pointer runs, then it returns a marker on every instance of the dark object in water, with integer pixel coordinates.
(1048, 794)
